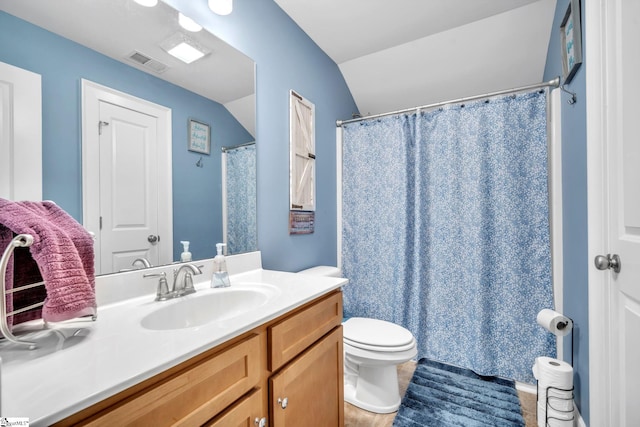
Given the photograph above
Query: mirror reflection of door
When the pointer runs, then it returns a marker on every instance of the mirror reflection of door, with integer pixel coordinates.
(128, 194)
(20, 134)
(125, 180)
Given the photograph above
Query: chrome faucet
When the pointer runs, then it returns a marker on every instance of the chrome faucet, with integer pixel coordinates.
(185, 287)
(179, 288)
(162, 293)
(145, 263)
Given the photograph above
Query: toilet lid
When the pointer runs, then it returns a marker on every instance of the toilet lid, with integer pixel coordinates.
(366, 333)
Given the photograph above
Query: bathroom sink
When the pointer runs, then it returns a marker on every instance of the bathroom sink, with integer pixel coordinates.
(208, 306)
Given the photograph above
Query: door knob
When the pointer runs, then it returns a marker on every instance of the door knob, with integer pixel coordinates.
(608, 262)
(260, 422)
(152, 239)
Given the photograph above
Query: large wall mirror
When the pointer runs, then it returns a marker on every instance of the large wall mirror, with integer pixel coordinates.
(122, 46)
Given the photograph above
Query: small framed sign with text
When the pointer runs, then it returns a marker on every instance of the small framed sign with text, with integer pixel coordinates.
(301, 222)
(571, 38)
(199, 139)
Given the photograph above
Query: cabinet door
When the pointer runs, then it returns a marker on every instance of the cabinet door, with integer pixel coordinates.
(309, 391)
(242, 414)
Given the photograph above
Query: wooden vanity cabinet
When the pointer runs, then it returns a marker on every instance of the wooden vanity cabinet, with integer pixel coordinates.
(188, 395)
(306, 359)
(297, 357)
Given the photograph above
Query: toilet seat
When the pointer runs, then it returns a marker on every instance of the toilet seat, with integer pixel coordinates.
(377, 335)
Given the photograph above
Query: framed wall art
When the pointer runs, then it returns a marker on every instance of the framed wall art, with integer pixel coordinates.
(199, 138)
(571, 38)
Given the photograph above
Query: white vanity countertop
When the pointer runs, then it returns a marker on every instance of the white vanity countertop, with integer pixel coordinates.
(116, 352)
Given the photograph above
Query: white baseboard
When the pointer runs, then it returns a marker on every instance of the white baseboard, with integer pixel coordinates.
(527, 388)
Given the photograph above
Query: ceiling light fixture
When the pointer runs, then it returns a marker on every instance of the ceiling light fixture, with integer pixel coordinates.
(221, 7)
(184, 48)
(188, 23)
(147, 3)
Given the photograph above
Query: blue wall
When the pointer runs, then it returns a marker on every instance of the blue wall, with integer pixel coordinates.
(286, 58)
(574, 204)
(62, 64)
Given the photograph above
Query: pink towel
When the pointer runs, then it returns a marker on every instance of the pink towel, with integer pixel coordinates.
(63, 251)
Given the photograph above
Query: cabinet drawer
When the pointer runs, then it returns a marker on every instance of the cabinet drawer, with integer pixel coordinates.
(194, 395)
(242, 414)
(292, 335)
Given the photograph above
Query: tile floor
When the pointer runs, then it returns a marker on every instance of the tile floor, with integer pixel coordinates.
(356, 417)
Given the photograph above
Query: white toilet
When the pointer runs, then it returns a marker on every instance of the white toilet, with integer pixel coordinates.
(372, 350)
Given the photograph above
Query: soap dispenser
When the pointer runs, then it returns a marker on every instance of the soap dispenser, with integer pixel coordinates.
(185, 256)
(220, 277)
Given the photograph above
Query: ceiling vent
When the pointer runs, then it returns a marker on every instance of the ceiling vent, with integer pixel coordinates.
(147, 62)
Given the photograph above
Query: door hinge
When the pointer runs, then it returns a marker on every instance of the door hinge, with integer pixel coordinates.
(100, 223)
(100, 125)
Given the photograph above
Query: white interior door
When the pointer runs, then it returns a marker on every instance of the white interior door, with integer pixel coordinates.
(128, 189)
(614, 211)
(126, 167)
(20, 134)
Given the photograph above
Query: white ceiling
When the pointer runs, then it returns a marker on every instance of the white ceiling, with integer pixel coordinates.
(116, 28)
(405, 53)
(393, 54)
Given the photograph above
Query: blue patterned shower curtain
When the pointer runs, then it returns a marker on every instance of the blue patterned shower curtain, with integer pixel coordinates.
(446, 230)
(241, 199)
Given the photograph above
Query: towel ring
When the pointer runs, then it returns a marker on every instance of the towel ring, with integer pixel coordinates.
(20, 241)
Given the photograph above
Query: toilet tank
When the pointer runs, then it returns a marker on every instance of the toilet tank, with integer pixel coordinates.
(323, 270)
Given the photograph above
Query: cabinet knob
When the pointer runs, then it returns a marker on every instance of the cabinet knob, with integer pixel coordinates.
(261, 422)
(283, 402)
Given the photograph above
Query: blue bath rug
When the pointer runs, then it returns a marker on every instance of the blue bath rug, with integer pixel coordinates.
(442, 395)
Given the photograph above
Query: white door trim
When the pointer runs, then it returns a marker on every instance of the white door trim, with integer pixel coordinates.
(92, 95)
(599, 15)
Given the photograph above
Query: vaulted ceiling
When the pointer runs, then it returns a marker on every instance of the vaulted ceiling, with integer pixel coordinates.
(405, 53)
(393, 54)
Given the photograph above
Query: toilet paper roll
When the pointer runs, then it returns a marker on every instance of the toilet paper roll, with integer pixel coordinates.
(554, 322)
(555, 378)
(553, 418)
(540, 414)
(554, 373)
(560, 404)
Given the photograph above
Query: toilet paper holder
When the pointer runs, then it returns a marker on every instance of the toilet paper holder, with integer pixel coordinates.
(546, 404)
(557, 324)
(560, 327)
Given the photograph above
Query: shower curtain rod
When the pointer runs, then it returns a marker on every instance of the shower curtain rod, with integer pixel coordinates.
(552, 83)
(246, 144)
